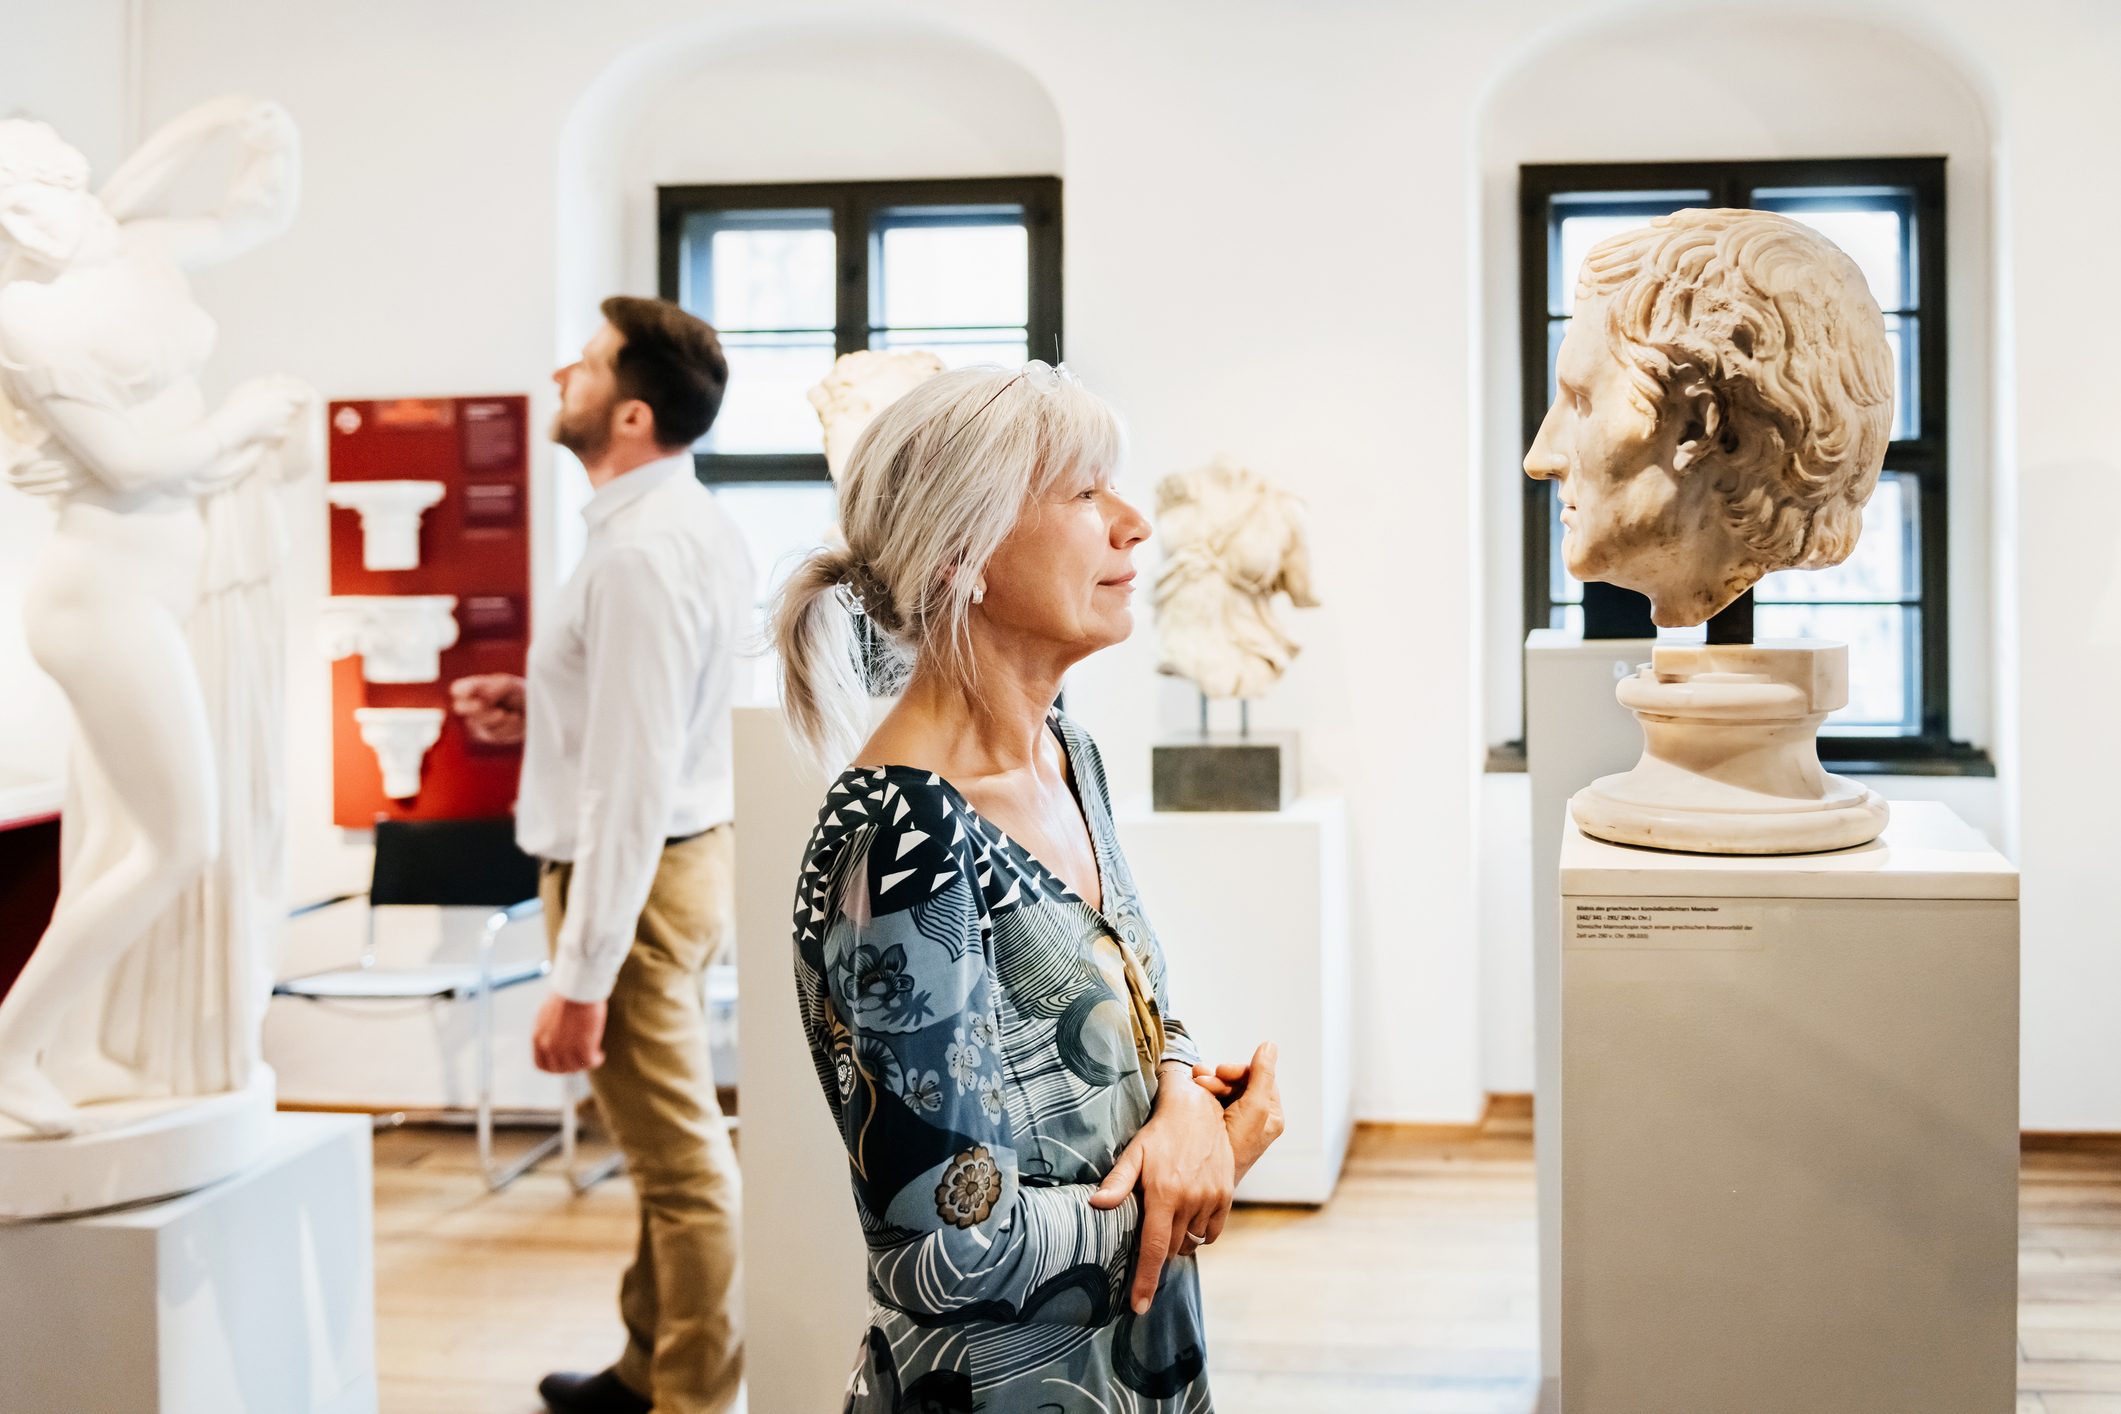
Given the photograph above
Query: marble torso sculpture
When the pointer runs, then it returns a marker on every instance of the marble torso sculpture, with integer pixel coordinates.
(861, 385)
(1725, 399)
(156, 606)
(1232, 541)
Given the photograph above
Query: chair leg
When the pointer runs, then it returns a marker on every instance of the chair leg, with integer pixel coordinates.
(498, 1176)
(583, 1179)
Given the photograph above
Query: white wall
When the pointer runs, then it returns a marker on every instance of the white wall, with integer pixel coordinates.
(64, 65)
(1279, 244)
(1508, 1022)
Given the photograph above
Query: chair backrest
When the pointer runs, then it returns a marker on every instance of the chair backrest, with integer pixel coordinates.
(451, 863)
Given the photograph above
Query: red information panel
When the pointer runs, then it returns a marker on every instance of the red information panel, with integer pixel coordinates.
(29, 889)
(475, 545)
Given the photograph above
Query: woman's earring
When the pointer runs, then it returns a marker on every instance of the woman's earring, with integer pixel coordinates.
(979, 592)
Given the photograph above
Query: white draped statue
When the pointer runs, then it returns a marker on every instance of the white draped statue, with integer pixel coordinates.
(157, 607)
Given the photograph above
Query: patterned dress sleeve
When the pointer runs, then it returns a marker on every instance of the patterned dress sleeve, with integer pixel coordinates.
(899, 1002)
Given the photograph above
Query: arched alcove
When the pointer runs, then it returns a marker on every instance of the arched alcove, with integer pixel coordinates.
(1660, 84)
(790, 99)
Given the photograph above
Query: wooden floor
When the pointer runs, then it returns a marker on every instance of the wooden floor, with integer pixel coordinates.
(1414, 1292)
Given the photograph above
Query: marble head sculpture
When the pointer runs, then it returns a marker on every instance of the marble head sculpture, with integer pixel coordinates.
(1725, 398)
(861, 385)
(1232, 541)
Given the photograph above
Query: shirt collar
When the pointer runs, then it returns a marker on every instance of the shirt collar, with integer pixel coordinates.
(628, 487)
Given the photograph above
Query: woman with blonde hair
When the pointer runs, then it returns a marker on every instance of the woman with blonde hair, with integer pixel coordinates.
(1036, 1152)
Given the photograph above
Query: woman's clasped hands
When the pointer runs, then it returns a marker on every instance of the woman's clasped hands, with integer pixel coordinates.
(1188, 1159)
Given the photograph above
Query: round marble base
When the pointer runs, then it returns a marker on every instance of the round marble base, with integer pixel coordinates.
(137, 1151)
(1852, 815)
(1730, 758)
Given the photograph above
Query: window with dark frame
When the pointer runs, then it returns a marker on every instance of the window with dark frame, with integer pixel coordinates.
(795, 275)
(1888, 601)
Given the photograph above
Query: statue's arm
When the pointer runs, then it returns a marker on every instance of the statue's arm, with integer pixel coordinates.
(111, 446)
(258, 203)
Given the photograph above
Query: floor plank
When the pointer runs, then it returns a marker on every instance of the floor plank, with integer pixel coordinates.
(1414, 1292)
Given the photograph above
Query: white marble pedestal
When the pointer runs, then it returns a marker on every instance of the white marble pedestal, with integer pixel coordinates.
(253, 1296)
(1251, 909)
(1575, 732)
(1790, 1127)
(806, 1299)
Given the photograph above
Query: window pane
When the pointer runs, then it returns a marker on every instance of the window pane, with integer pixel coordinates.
(1887, 563)
(951, 272)
(767, 405)
(757, 270)
(1902, 331)
(1881, 642)
(1875, 239)
(962, 348)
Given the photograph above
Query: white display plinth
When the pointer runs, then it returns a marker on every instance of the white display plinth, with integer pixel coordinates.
(1251, 909)
(135, 1151)
(806, 1299)
(1575, 732)
(1790, 1127)
(253, 1296)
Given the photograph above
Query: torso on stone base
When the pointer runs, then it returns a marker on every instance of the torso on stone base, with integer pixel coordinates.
(1730, 761)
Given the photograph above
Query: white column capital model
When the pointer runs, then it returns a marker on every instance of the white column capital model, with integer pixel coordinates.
(399, 637)
(390, 518)
(400, 738)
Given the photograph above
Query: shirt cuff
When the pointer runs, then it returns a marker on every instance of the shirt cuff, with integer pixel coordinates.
(579, 978)
(1178, 1045)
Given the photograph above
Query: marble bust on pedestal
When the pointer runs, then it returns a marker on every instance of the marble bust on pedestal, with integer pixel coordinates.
(1724, 404)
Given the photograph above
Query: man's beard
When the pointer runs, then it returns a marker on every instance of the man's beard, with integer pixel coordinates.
(586, 436)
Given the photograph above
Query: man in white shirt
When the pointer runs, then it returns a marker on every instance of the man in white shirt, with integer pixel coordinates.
(626, 796)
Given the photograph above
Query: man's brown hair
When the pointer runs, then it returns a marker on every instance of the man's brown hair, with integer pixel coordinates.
(671, 361)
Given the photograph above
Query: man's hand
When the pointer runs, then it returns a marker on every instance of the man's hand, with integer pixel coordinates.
(491, 705)
(1183, 1162)
(568, 1036)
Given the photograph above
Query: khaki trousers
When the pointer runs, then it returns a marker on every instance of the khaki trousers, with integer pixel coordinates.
(655, 1090)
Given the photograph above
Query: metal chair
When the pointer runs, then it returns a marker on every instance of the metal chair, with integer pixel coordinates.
(453, 864)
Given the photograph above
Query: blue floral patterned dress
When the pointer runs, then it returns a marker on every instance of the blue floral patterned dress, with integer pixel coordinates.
(988, 1043)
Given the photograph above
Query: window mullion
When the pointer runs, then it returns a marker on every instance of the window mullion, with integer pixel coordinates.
(850, 217)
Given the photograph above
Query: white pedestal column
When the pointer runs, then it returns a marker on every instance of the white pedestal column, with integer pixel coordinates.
(1790, 1127)
(806, 1302)
(253, 1296)
(1252, 912)
(1575, 732)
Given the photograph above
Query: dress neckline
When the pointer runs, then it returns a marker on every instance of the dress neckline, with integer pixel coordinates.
(1082, 806)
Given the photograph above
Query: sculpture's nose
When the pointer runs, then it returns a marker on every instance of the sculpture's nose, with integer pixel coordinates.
(1545, 461)
(1543, 465)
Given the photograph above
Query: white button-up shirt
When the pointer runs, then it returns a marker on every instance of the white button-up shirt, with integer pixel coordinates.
(626, 706)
